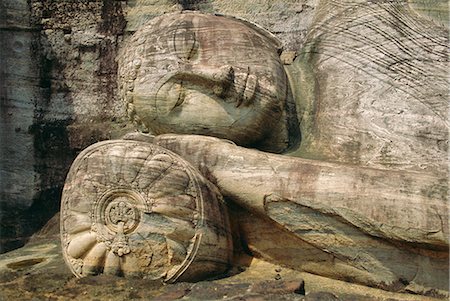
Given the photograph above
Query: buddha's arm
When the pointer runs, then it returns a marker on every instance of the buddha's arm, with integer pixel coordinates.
(400, 206)
(340, 210)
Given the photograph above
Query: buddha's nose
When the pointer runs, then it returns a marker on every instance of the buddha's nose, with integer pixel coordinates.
(239, 88)
(224, 74)
(221, 77)
(219, 80)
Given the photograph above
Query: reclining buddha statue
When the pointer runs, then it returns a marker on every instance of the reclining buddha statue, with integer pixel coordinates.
(347, 193)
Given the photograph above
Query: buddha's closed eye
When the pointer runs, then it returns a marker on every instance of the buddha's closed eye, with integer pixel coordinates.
(184, 42)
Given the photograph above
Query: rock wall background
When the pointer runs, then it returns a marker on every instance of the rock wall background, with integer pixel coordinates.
(380, 75)
(58, 88)
(59, 92)
(58, 96)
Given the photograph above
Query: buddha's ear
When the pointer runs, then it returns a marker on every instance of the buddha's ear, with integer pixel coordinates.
(285, 135)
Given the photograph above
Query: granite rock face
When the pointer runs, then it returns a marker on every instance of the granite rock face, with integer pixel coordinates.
(58, 96)
(369, 92)
(59, 88)
(378, 79)
(37, 271)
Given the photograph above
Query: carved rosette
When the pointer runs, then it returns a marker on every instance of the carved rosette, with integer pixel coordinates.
(115, 215)
(131, 208)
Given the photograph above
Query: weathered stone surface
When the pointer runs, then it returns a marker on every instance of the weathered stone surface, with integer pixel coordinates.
(389, 229)
(38, 272)
(435, 10)
(279, 287)
(377, 96)
(193, 73)
(59, 91)
(321, 296)
(289, 20)
(57, 97)
(19, 85)
(136, 210)
(371, 91)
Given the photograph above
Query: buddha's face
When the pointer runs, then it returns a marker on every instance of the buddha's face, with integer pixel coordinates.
(204, 74)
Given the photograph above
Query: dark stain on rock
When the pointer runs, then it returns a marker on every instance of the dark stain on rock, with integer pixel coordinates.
(23, 264)
(113, 21)
(194, 4)
(53, 157)
(112, 25)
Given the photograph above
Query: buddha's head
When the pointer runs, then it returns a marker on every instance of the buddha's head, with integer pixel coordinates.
(191, 73)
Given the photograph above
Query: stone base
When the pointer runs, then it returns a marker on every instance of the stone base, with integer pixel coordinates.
(37, 272)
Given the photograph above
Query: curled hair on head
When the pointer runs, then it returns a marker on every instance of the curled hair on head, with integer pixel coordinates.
(129, 65)
(258, 28)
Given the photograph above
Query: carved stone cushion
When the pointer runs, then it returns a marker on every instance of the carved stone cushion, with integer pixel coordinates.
(192, 73)
(131, 208)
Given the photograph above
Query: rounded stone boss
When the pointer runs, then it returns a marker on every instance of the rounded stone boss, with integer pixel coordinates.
(131, 208)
